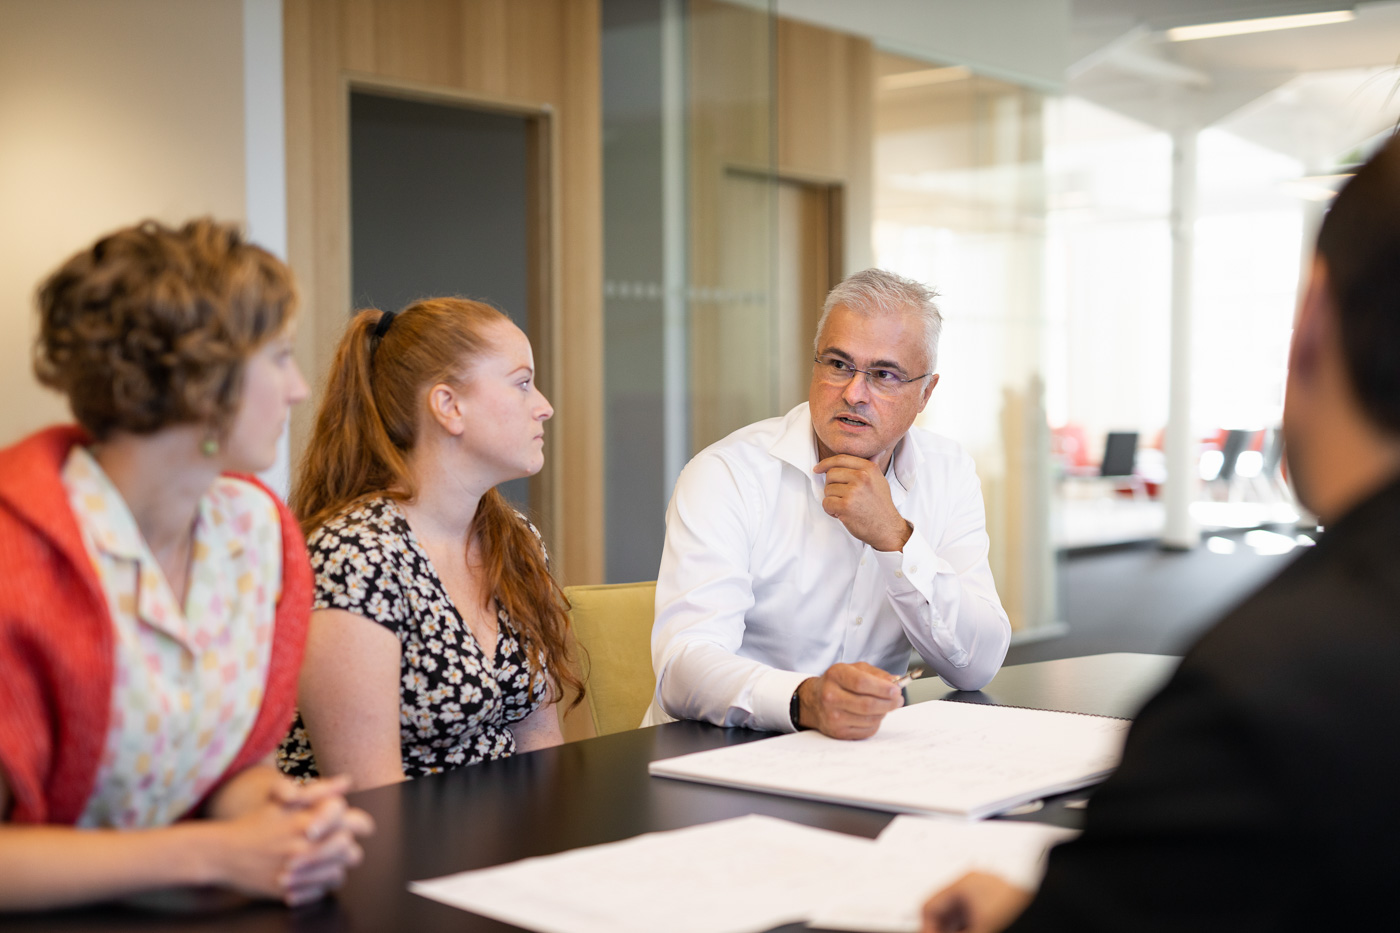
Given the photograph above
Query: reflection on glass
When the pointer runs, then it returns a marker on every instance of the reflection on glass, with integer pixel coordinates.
(960, 205)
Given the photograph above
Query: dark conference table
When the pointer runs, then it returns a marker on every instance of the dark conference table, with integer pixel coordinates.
(586, 793)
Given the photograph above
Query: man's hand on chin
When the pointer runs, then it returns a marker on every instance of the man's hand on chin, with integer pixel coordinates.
(848, 701)
(858, 495)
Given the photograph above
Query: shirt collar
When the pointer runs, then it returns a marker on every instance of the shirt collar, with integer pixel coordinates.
(103, 512)
(797, 446)
(107, 521)
(908, 461)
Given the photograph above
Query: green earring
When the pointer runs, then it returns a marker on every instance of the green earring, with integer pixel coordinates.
(209, 446)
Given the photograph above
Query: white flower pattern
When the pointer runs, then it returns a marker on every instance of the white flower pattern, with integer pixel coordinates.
(454, 704)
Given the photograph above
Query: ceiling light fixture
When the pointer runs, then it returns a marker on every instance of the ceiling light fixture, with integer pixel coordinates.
(1316, 187)
(927, 76)
(1267, 24)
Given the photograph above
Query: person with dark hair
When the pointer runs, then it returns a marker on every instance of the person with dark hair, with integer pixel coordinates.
(807, 554)
(154, 600)
(1257, 789)
(439, 638)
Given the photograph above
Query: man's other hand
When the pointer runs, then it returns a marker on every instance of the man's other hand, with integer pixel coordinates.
(848, 701)
(858, 494)
(975, 903)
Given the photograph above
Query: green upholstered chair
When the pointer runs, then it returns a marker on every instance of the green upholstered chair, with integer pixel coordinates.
(613, 624)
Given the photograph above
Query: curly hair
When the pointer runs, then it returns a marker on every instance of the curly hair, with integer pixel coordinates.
(151, 326)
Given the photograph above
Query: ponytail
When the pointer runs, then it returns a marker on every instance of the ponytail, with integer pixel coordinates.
(351, 453)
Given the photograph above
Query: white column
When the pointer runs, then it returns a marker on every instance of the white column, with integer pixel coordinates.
(265, 159)
(675, 343)
(1180, 530)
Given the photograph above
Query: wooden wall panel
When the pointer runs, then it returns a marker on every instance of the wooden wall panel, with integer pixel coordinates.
(782, 96)
(772, 101)
(529, 56)
(825, 123)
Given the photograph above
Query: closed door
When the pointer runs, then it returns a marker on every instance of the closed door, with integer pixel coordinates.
(440, 205)
(751, 336)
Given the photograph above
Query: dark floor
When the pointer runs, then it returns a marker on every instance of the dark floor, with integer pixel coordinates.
(1141, 598)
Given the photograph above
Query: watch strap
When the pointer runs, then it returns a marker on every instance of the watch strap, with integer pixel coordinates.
(794, 708)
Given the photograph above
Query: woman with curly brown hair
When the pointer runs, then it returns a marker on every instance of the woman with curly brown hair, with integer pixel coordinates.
(154, 602)
(438, 638)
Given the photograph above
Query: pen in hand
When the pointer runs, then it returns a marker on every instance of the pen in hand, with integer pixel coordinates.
(903, 684)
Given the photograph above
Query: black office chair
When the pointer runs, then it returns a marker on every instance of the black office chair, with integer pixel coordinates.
(1119, 462)
(1119, 454)
(1270, 471)
(1236, 443)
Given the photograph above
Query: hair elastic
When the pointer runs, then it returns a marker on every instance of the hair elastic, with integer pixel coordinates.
(385, 319)
(380, 329)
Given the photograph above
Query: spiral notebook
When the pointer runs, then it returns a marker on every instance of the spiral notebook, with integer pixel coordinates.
(935, 758)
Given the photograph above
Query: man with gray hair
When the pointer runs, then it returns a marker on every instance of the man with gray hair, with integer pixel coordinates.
(805, 554)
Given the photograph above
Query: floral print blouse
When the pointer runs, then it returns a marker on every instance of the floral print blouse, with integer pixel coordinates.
(455, 704)
(188, 678)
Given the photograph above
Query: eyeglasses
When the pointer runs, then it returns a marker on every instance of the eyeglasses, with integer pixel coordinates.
(838, 372)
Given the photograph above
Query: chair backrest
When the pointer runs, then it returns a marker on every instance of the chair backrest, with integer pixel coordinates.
(1273, 450)
(1119, 454)
(1236, 442)
(613, 624)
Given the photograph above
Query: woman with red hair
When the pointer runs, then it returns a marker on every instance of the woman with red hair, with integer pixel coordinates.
(439, 638)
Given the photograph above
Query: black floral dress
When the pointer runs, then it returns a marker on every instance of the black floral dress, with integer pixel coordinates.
(454, 703)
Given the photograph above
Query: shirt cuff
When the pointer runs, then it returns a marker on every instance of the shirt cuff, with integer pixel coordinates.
(912, 569)
(772, 697)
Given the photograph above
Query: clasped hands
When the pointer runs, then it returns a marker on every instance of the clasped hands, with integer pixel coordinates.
(288, 841)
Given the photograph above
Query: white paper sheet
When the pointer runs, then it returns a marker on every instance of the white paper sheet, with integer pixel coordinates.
(916, 856)
(938, 757)
(746, 874)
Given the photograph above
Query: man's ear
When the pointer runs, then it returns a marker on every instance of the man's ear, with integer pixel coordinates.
(1314, 325)
(445, 407)
(928, 391)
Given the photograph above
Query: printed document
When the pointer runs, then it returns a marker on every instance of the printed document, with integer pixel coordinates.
(940, 757)
(742, 875)
(917, 856)
(745, 875)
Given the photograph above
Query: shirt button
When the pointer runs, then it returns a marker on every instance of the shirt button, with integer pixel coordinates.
(899, 573)
(913, 569)
(859, 619)
(862, 561)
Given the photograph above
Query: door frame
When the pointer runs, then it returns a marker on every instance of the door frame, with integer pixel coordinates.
(543, 313)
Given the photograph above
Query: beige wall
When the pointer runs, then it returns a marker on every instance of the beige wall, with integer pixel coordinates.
(109, 112)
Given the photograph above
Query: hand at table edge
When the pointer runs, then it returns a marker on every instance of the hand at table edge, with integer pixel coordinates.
(975, 903)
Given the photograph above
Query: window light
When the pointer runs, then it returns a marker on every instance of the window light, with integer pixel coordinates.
(1240, 27)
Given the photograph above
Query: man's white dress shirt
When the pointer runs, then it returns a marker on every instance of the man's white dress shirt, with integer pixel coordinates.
(760, 589)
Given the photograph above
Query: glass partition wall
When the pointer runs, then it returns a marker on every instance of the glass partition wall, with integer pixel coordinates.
(1118, 256)
(694, 335)
(960, 204)
(750, 163)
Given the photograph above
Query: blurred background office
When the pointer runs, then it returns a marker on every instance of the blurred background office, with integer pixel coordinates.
(1116, 199)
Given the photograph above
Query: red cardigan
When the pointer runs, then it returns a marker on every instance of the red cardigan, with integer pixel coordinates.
(56, 646)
